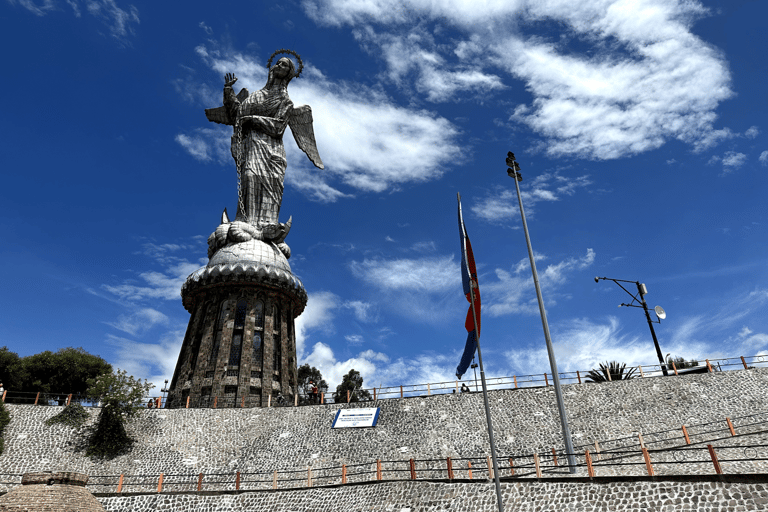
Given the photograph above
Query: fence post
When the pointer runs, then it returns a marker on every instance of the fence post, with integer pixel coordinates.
(215, 401)
(274, 480)
(295, 399)
(412, 467)
(449, 464)
(37, 397)
(554, 456)
(269, 400)
(578, 376)
(490, 468)
(537, 464)
(648, 465)
(160, 483)
(401, 391)
(511, 466)
(4, 392)
(590, 469)
(640, 367)
(597, 451)
(674, 368)
(469, 469)
(347, 396)
(242, 402)
(546, 380)
(730, 426)
(322, 398)
(457, 386)
(515, 379)
(69, 398)
(429, 391)
(237, 481)
(343, 473)
(159, 402)
(744, 362)
(709, 366)
(309, 476)
(200, 482)
(608, 372)
(378, 470)
(120, 484)
(713, 455)
(640, 438)
(374, 394)
(685, 433)
(187, 403)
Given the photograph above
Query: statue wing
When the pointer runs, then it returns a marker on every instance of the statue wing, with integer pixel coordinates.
(300, 121)
(219, 114)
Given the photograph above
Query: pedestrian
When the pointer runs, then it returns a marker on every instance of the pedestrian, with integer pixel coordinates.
(150, 404)
(464, 387)
(313, 392)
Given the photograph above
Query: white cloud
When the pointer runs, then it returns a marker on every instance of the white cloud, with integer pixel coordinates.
(354, 339)
(733, 160)
(512, 292)
(501, 206)
(152, 361)
(642, 78)
(318, 314)
(366, 140)
(763, 159)
(752, 132)
(364, 311)
(434, 274)
(139, 321)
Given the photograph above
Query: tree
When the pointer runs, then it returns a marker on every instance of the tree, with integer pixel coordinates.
(66, 371)
(614, 368)
(680, 362)
(310, 373)
(121, 397)
(352, 382)
(11, 371)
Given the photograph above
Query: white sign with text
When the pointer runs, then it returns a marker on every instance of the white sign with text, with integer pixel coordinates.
(349, 418)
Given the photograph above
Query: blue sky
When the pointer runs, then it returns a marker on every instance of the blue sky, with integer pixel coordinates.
(639, 126)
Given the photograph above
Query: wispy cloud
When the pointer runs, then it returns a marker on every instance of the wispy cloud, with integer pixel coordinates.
(763, 159)
(139, 321)
(152, 361)
(642, 78)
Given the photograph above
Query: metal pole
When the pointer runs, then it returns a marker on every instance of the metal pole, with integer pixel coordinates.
(550, 350)
(474, 367)
(653, 333)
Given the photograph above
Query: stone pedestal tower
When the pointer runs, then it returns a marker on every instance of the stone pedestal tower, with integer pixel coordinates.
(240, 346)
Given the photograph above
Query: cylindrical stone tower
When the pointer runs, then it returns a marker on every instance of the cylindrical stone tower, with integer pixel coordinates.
(240, 345)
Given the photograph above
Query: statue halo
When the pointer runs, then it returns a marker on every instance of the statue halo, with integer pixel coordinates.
(283, 50)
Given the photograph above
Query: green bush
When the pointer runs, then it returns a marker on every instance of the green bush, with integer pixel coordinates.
(5, 418)
(74, 415)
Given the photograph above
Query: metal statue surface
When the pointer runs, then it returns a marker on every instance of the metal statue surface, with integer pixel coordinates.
(259, 120)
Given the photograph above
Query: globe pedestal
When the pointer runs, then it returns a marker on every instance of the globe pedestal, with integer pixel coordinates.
(240, 346)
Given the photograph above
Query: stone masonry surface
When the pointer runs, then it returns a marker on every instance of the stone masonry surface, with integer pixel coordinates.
(191, 441)
(468, 497)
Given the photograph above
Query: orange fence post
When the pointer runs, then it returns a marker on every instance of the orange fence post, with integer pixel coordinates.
(640, 367)
(120, 484)
(37, 397)
(640, 438)
(648, 465)
(713, 455)
(469, 469)
(401, 391)
(449, 464)
(187, 403)
(242, 402)
(159, 402)
(744, 362)
(237, 481)
(537, 464)
(554, 456)
(344, 473)
(215, 401)
(4, 392)
(685, 433)
(730, 426)
(429, 391)
(348, 396)
(374, 394)
(490, 468)
(515, 378)
(590, 469)
(379, 475)
(69, 398)
(511, 466)
(160, 483)
(274, 480)
(546, 380)
(608, 372)
(200, 482)
(709, 366)
(322, 398)
(674, 368)
(578, 376)
(412, 467)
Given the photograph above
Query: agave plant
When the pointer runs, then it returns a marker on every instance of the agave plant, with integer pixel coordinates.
(614, 369)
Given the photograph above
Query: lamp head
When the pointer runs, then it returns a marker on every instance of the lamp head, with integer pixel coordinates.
(597, 279)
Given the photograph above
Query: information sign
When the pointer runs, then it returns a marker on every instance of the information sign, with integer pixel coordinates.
(349, 418)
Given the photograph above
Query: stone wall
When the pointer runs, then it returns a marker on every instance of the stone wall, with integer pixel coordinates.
(189, 441)
(693, 496)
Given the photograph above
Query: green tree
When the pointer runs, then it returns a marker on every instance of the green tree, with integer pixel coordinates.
(65, 371)
(352, 382)
(310, 373)
(680, 362)
(11, 370)
(122, 397)
(5, 418)
(615, 369)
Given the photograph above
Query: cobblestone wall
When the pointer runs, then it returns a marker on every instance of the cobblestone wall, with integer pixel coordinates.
(466, 497)
(189, 441)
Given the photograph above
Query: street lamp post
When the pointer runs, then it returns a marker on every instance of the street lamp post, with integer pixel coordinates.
(164, 390)
(474, 367)
(642, 291)
(514, 172)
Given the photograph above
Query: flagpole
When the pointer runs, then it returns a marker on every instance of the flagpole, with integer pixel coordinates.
(472, 285)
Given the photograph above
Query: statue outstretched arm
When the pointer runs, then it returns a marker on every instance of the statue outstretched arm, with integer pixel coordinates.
(227, 113)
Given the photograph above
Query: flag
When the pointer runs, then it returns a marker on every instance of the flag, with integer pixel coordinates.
(472, 293)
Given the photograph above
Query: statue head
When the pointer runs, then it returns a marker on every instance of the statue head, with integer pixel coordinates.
(284, 70)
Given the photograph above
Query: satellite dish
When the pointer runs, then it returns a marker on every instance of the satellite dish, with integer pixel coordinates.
(660, 312)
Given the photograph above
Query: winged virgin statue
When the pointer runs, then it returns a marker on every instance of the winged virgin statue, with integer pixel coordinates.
(259, 120)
